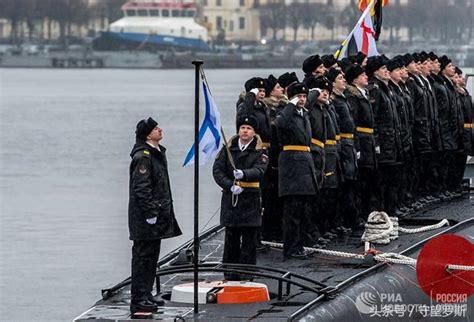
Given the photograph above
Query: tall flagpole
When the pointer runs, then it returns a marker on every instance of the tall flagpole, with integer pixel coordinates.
(197, 67)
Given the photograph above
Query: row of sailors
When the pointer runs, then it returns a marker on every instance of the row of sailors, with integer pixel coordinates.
(357, 135)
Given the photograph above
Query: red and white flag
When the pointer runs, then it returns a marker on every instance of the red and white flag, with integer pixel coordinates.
(361, 38)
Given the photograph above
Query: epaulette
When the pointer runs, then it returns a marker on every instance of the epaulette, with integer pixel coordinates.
(146, 153)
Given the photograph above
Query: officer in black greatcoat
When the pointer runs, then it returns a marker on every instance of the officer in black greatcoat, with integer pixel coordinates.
(364, 139)
(421, 130)
(387, 132)
(434, 166)
(296, 173)
(150, 214)
(241, 211)
(394, 66)
(328, 209)
(348, 154)
(467, 106)
(455, 126)
(409, 154)
(253, 105)
(275, 100)
(313, 67)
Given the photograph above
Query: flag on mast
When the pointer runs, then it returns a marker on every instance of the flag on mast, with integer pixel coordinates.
(376, 12)
(209, 132)
(361, 38)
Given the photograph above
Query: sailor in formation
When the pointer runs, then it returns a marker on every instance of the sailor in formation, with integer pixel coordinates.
(355, 136)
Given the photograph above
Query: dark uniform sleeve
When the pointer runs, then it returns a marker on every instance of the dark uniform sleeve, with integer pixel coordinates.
(246, 106)
(375, 100)
(354, 109)
(219, 171)
(256, 172)
(142, 187)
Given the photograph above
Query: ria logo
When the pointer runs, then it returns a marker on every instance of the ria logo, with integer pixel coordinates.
(366, 302)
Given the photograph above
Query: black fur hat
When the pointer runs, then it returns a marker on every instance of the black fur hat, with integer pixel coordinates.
(144, 127)
(248, 120)
(297, 88)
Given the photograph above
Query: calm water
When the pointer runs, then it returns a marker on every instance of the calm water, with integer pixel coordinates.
(65, 142)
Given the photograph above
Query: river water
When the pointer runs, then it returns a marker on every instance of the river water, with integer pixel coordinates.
(65, 142)
(66, 136)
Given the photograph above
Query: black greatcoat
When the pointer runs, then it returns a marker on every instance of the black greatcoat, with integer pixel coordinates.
(297, 174)
(421, 128)
(332, 169)
(436, 144)
(249, 106)
(455, 116)
(150, 195)
(317, 119)
(348, 158)
(444, 112)
(465, 100)
(253, 163)
(403, 115)
(387, 128)
(363, 116)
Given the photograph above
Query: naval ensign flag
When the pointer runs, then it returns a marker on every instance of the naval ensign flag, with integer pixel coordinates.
(362, 36)
(209, 135)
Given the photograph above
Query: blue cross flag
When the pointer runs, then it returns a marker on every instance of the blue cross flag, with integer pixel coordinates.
(209, 135)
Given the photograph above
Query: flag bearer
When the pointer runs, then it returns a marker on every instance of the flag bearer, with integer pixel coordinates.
(239, 175)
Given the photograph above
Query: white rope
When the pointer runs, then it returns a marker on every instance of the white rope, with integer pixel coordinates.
(453, 267)
(392, 258)
(381, 229)
(442, 223)
(318, 250)
(378, 229)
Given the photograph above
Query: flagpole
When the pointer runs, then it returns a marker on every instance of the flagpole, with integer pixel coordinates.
(197, 66)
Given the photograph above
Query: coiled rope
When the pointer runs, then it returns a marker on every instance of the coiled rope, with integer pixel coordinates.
(380, 229)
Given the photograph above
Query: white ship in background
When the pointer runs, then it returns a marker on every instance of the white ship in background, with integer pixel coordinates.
(155, 24)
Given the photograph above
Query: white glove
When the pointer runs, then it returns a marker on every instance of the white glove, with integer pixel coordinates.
(294, 100)
(315, 89)
(358, 155)
(151, 221)
(255, 91)
(238, 174)
(236, 190)
(377, 149)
